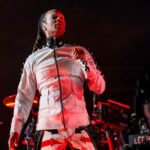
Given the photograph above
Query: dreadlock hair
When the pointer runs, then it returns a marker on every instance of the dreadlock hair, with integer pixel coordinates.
(41, 38)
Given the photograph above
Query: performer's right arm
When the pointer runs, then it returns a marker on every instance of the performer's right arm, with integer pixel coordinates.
(23, 103)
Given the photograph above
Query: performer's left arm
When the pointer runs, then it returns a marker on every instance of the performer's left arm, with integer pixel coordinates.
(96, 82)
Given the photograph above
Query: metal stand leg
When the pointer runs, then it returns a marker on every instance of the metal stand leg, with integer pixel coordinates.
(30, 135)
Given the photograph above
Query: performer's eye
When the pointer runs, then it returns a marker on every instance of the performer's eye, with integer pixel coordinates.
(54, 17)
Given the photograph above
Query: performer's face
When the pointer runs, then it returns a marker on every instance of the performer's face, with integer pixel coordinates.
(54, 25)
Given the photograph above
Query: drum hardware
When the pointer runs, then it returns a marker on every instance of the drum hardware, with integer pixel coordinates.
(29, 139)
(30, 135)
(109, 119)
(107, 137)
(141, 133)
(113, 113)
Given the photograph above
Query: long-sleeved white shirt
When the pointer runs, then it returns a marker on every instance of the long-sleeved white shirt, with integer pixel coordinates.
(39, 73)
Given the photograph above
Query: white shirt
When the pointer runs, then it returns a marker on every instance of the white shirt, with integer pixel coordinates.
(39, 73)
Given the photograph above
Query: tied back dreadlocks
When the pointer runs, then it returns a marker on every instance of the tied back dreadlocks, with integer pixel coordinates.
(41, 38)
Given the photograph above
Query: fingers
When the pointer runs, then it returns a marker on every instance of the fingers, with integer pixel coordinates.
(16, 141)
(77, 54)
(13, 141)
(74, 54)
(79, 51)
(11, 144)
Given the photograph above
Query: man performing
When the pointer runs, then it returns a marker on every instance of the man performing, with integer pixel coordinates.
(58, 72)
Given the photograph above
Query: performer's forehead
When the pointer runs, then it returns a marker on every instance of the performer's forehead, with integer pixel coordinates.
(54, 12)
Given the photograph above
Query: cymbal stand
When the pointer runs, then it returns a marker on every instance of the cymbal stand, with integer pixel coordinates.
(29, 132)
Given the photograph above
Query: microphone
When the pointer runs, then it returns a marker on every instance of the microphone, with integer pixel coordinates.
(80, 57)
(83, 64)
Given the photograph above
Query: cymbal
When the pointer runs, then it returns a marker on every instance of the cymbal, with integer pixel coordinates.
(10, 101)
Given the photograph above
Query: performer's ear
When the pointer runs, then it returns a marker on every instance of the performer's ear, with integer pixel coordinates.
(44, 27)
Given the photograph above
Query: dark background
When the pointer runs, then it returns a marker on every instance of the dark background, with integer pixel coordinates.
(117, 32)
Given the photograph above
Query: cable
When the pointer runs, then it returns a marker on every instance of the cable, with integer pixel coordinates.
(59, 82)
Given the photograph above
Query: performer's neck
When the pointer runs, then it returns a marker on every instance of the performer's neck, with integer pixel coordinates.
(53, 42)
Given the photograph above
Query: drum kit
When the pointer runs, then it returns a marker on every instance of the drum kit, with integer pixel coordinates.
(10, 101)
(29, 132)
(108, 120)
